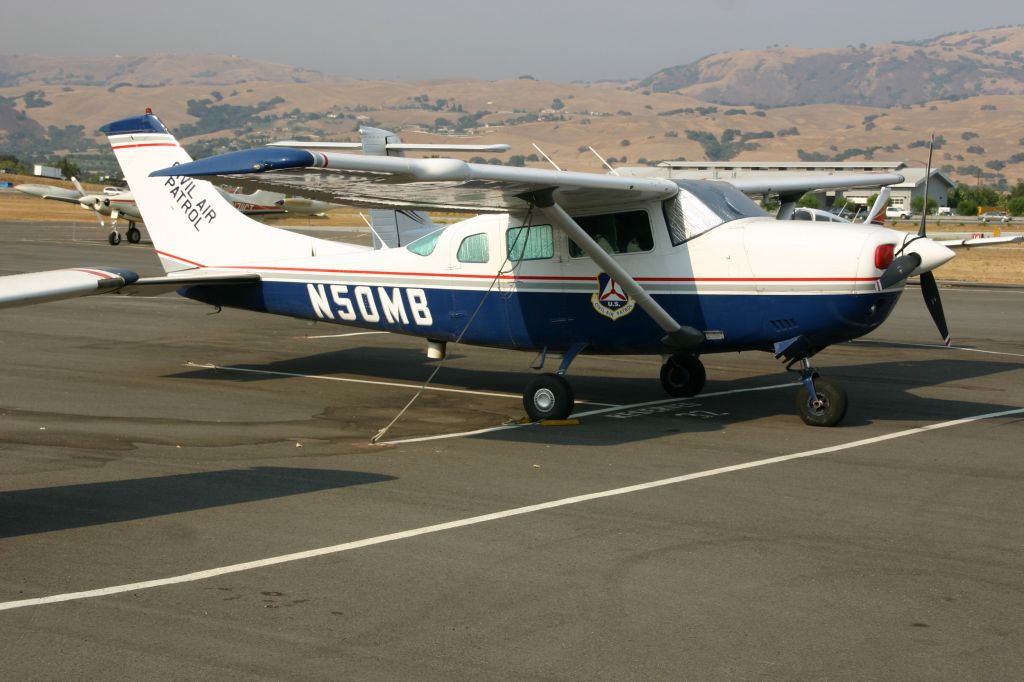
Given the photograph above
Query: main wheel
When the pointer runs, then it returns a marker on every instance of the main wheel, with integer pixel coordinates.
(134, 235)
(548, 396)
(114, 238)
(683, 376)
(828, 410)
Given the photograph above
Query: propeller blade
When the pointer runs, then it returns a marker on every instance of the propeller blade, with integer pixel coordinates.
(930, 290)
(77, 185)
(899, 270)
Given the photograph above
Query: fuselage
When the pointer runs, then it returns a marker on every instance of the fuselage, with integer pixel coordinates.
(746, 284)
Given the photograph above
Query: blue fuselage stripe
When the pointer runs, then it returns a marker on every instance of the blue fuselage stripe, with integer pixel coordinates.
(557, 320)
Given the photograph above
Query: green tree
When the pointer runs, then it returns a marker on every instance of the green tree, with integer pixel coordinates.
(1016, 205)
(809, 201)
(917, 203)
(69, 168)
(11, 163)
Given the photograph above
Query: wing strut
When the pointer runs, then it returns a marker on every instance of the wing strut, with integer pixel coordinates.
(676, 335)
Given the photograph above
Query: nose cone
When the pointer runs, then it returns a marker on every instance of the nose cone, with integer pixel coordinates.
(932, 254)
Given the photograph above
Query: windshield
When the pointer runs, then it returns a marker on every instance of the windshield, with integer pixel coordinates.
(702, 205)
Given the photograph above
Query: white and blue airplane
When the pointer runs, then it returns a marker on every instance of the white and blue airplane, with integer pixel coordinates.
(558, 263)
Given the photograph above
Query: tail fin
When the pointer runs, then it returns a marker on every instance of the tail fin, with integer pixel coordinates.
(190, 222)
(395, 228)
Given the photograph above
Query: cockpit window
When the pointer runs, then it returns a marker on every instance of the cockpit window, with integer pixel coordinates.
(702, 205)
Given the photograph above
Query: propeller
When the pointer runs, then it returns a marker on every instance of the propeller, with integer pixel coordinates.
(929, 289)
(88, 201)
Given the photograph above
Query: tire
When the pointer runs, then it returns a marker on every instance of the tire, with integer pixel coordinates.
(114, 238)
(134, 236)
(548, 396)
(830, 412)
(683, 376)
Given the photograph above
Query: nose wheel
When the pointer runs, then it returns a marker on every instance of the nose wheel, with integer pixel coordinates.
(823, 403)
(114, 238)
(683, 375)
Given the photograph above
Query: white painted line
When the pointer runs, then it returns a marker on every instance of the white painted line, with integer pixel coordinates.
(415, 387)
(936, 345)
(485, 518)
(338, 336)
(590, 413)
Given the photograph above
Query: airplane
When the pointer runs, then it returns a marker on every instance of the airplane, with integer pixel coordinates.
(116, 202)
(558, 263)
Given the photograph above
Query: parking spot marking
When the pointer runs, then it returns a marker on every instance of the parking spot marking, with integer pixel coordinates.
(937, 346)
(416, 387)
(485, 518)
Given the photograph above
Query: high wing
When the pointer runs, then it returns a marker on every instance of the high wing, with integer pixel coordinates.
(798, 183)
(417, 184)
(56, 285)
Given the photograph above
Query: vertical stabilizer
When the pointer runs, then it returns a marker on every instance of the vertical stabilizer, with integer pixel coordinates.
(190, 222)
(395, 228)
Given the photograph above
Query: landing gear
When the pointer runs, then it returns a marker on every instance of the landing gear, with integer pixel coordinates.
(134, 236)
(683, 375)
(114, 238)
(548, 396)
(819, 402)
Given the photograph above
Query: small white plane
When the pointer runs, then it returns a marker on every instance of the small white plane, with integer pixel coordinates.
(558, 263)
(116, 202)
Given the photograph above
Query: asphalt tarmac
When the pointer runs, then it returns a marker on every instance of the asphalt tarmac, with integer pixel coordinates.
(163, 519)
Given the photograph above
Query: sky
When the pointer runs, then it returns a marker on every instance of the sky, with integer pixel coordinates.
(559, 40)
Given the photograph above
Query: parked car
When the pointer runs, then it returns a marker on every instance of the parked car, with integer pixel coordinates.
(995, 217)
(897, 212)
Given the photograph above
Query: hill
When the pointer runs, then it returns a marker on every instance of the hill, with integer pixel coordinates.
(50, 108)
(948, 67)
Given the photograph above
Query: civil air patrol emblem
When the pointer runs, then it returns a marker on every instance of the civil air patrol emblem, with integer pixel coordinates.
(610, 300)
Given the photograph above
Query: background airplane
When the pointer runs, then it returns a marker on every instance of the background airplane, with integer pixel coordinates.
(116, 203)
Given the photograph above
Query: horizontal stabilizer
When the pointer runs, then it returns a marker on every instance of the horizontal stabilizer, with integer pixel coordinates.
(55, 285)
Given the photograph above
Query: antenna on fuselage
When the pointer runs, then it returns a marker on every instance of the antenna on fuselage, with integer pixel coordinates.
(546, 157)
(606, 164)
(383, 244)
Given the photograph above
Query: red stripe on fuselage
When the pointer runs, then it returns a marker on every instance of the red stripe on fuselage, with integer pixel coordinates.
(97, 273)
(553, 278)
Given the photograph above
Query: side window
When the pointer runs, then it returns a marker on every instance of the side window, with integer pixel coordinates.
(424, 246)
(628, 232)
(535, 242)
(473, 249)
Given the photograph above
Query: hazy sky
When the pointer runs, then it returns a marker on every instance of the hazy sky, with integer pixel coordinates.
(553, 40)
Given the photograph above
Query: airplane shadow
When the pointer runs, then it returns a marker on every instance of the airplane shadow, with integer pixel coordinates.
(880, 391)
(41, 510)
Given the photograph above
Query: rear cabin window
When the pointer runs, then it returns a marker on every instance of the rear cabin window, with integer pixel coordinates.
(535, 242)
(473, 249)
(628, 232)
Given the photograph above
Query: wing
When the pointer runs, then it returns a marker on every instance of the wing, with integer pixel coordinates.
(417, 184)
(56, 285)
(797, 183)
(979, 241)
(50, 192)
